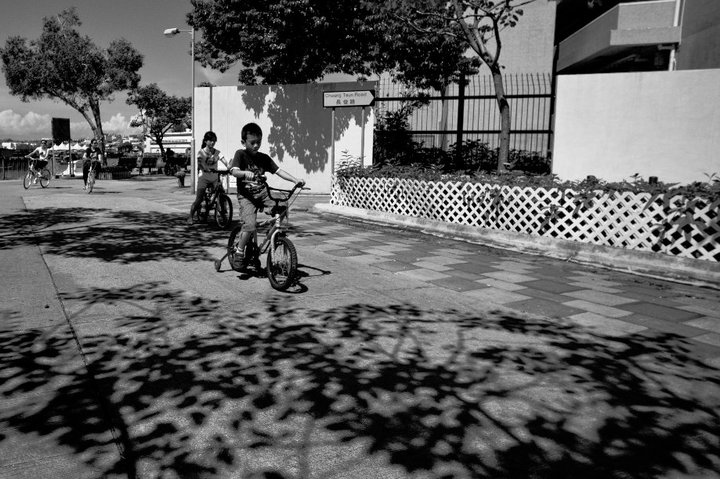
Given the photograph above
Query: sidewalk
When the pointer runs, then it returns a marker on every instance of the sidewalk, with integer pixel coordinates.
(399, 355)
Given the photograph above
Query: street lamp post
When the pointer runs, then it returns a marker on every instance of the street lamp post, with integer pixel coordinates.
(171, 32)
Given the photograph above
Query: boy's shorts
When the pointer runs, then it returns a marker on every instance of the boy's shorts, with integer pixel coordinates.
(249, 207)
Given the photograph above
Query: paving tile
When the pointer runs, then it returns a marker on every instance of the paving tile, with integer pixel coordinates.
(707, 323)
(701, 310)
(599, 297)
(423, 274)
(454, 252)
(594, 280)
(550, 286)
(377, 252)
(514, 266)
(594, 287)
(456, 284)
(665, 326)
(496, 283)
(474, 268)
(392, 248)
(509, 276)
(544, 307)
(393, 266)
(367, 259)
(600, 309)
(343, 253)
(408, 256)
(660, 312)
(442, 260)
(712, 339)
(604, 325)
(495, 295)
(462, 274)
(432, 266)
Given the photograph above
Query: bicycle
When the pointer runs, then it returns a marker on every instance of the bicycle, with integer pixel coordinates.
(91, 178)
(32, 176)
(281, 263)
(217, 201)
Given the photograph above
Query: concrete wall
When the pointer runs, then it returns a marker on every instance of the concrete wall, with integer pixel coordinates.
(297, 129)
(700, 45)
(664, 124)
(529, 46)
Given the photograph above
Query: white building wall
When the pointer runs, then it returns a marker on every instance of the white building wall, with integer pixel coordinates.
(664, 124)
(296, 127)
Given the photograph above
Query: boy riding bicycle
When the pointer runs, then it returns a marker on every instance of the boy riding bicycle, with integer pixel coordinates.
(249, 167)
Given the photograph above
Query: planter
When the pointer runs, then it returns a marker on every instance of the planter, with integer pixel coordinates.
(671, 226)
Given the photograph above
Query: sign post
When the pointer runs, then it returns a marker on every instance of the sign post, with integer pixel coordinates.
(346, 99)
(61, 133)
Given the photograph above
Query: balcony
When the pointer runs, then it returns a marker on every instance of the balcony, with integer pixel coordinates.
(628, 37)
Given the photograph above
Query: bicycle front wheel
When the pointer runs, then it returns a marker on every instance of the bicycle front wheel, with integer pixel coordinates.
(282, 264)
(27, 179)
(90, 182)
(223, 211)
(45, 178)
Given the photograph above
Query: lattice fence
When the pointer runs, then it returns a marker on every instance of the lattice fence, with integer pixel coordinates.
(638, 221)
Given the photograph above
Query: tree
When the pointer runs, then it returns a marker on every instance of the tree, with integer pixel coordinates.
(478, 23)
(421, 42)
(282, 42)
(64, 65)
(159, 112)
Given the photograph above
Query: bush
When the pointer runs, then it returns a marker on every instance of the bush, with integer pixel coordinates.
(394, 146)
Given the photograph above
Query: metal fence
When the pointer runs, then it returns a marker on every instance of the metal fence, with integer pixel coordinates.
(470, 112)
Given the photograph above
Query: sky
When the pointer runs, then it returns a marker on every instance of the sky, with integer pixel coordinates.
(142, 22)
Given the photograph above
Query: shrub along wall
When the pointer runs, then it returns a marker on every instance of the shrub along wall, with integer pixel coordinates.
(670, 222)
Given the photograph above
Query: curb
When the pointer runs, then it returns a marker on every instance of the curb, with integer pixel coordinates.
(655, 265)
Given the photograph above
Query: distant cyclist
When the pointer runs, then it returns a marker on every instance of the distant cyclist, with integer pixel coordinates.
(37, 164)
(92, 158)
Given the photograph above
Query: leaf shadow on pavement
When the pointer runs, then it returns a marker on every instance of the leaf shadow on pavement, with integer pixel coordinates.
(194, 390)
(111, 235)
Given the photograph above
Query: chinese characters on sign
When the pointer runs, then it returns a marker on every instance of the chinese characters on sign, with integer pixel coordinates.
(337, 99)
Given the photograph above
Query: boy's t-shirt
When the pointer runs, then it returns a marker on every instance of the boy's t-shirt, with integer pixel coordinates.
(258, 164)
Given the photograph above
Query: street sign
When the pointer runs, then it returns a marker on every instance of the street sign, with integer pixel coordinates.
(339, 99)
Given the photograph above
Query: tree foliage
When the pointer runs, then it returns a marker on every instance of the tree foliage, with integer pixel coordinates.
(159, 112)
(64, 65)
(423, 43)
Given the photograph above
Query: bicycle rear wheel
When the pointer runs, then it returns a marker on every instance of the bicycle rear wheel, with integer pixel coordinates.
(44, 177)
(231, 248)
(282, 264)
(27, 179)
(223, 211)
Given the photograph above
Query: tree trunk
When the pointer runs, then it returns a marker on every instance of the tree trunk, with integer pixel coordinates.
(504, 106)
(99, 135)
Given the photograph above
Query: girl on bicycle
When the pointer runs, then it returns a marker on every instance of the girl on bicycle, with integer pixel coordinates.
(37, 164)
(92, 158)
(207, 160)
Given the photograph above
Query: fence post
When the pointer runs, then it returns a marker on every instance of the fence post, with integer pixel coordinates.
(460, 118)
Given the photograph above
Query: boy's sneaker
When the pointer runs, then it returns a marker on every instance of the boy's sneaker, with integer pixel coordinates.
(238, 261)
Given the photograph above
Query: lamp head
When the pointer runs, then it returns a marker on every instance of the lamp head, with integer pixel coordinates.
(169, 32)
